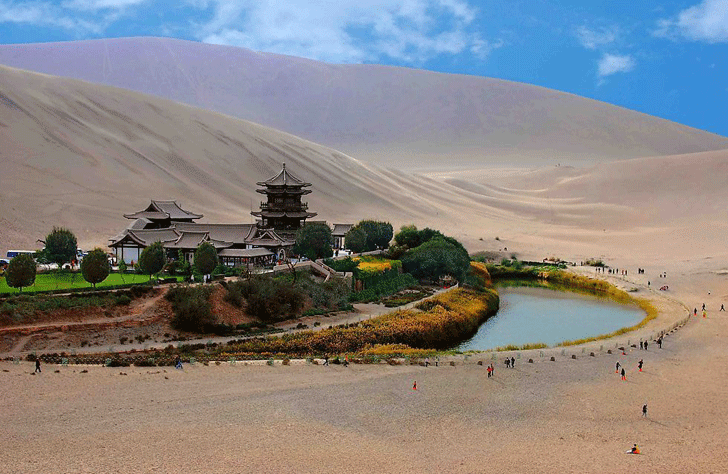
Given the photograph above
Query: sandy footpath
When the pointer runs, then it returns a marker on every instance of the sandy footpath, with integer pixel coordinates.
(563, 416)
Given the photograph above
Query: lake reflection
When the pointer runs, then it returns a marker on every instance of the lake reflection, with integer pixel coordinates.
(532, 315)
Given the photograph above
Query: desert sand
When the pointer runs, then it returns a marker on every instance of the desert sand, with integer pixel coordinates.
(563, 416)
(81, 155)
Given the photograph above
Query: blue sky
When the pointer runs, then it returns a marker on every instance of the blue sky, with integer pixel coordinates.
(662, 58)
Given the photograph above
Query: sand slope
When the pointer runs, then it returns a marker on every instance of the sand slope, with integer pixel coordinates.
(80, 155)
(411, 118)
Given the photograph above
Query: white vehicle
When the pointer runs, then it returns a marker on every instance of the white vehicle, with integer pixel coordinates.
(14, 253)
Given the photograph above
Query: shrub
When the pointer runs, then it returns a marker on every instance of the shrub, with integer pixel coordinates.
(20, 272)
(123, 300)
(393, 283)
(268, 299)
(452, 317)
(436, 258)
(192, 310)
(343, 265)
(95, 267)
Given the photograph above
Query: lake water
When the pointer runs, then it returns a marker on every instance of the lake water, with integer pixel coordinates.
(532, 315)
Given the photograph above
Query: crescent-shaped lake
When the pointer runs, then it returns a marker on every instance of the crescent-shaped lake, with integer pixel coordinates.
(540, 315)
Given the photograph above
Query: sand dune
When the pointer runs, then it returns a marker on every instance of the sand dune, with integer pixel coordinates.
(409, 118)
(80, 155)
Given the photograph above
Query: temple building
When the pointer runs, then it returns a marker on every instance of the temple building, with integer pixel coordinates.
(269, 240)
(283, 211)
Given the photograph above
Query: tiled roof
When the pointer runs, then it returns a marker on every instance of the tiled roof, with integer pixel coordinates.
(146, 237)
(284, 178)
(341, 229)
(259, 252)
(174, 210)
(235, 233)
(163, 210)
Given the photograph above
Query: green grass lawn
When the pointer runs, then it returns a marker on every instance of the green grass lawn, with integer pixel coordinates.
(52, 281)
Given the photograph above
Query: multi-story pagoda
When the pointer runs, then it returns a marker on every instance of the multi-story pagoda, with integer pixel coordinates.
(283, 212)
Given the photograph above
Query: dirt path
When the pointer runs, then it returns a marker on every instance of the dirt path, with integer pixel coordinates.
(138, 311)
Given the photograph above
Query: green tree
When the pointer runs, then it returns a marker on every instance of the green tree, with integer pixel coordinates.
(61, 246)
(356, 240)
(20, 272)
(205, 258)
(436, 258)
(378, 233)
(95, 266)
(122, 269)
(183, 266)
(152, 259)
(408, 236)
(314, 241)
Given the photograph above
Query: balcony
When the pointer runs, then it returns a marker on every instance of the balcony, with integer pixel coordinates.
(266, 206)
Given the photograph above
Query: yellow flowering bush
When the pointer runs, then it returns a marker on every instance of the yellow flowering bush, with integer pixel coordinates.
(441, 323)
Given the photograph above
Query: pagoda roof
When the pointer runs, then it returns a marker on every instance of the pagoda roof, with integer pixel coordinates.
(192, 240)
(235, 233)
(341, 229)
(288, 190)
(145, 237)
(278, 214)
(160, 210)
(283, 178)
(269, 238)
(257, 252)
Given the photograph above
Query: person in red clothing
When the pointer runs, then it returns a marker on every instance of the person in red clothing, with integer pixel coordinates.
(624, 375)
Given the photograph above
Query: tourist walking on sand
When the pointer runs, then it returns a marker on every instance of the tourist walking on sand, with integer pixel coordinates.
(640, 365)
(642, 345)
(616, 368)
(178, 362)
(492, 369)
(624, 374)
(37, 365)
(645, 345)
(644, 410)
(722, 308)
(513, 363)
(507, 362)
(489, 370)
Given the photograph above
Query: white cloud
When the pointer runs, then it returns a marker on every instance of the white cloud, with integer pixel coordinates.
(612, 63)
(95, 5)
(591, 39)
(482, 48)
(706, 21)
(346, 30)
(45, 14)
